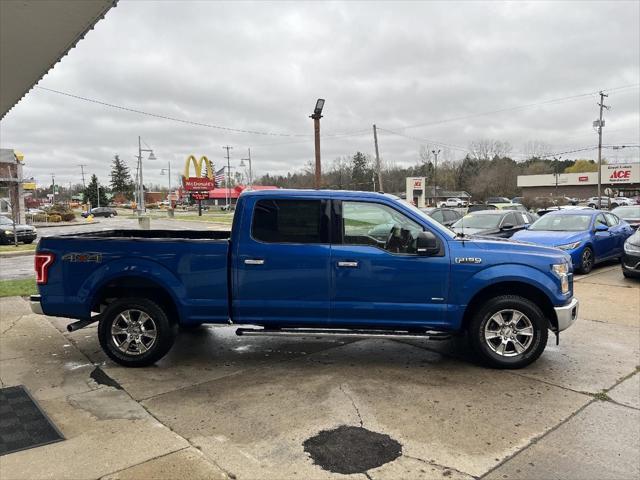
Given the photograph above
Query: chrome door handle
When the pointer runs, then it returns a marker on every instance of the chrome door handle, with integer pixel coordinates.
(254, 261)
(348, 264)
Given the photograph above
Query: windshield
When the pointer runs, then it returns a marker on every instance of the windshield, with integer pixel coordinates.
(562, 223)
(631, 212)
(486, 221)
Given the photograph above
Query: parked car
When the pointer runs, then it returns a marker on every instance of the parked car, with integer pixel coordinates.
(605, 202)
(453, 202)
(25, 233)
(512, 206)
(631, 258)
(517, 200)
(626, 201)
(589, 236)
(630, 214)
(497, 200)
(544, 211)
(101, 212)
(491, 222)
(305, 262)
(480, 206)
(444, 216)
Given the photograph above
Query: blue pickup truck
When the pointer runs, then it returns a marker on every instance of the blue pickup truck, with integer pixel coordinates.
(306, 262)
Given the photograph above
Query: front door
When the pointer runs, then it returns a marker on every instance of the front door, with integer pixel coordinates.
(604, 242)
(378, 278)
(281, 269)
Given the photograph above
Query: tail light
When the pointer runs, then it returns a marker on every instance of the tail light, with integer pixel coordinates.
(42, 263)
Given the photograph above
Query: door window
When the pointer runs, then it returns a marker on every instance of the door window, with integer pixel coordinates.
(379, 226)
(600, 220)
(288, 221)
(612, 220)
(511, 219)
(451, 216)
(438, 216)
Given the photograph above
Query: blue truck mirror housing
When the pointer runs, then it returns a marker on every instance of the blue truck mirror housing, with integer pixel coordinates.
(427, 244)
(601, 228)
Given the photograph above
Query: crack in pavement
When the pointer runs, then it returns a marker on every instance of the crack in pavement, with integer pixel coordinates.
(434, 464)
(352, 403)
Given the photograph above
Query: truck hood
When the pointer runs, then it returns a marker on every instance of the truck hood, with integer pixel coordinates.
(547, 238)
(507, 245)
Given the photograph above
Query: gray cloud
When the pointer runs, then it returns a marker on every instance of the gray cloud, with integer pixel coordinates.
(260, 66)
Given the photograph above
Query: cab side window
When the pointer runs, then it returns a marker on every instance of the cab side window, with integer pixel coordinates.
(379, 226)
(600, 220)
(288, 221)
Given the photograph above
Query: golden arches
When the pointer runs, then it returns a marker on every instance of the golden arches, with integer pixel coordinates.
(197, 165)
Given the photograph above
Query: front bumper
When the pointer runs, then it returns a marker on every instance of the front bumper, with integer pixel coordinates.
(631, 263)
(567, 315)
(36, 307)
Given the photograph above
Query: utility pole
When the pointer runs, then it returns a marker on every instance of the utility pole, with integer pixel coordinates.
(84, 185)
(53, 189)
(98, 192)
(600, 123)
(435, 177)
(227, 191)
(141, 207)
(555, 172)
(375, 141)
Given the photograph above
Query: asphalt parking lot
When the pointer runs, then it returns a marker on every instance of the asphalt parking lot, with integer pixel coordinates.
(220, 406)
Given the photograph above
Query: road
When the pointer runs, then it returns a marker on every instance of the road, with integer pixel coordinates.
(22, 267)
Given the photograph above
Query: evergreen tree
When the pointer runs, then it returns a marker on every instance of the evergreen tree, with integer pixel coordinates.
(121, 178)
(90, 194)
(360, 172)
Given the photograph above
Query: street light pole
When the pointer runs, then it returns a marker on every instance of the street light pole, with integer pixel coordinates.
(435, 176)
(141, 207)
(317, 115)
(250, 174)
(600, 123)
(168, 170)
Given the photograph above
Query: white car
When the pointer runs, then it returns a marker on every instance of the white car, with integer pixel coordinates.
(453, 202)
(609, 202)
(623, 201)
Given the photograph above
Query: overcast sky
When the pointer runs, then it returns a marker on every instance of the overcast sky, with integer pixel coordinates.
(261, 66)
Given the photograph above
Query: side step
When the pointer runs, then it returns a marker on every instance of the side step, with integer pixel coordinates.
(342, 332)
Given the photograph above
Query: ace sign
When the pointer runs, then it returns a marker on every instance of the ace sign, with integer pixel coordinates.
(622, 173)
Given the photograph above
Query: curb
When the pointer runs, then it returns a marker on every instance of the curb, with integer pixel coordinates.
(70, 224)
(17, 254)
(23, 253)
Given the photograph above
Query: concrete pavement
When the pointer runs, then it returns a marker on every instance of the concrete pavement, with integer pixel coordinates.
(221, 406)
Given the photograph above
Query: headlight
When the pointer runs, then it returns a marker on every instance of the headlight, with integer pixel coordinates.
(569, 246)
(34, 230)
(562, 271)
(8, 232)
(631, 248)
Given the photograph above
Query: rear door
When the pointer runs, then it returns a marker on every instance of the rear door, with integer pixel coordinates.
(378, 278)
(281, 265)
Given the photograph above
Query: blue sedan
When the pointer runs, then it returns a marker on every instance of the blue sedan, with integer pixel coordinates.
(589, 236)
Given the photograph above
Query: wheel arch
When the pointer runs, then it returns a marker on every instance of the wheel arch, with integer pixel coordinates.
(135, 286)
(522, 289)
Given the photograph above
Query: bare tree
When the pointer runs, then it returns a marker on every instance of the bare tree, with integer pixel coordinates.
(487, 149)
(536, 149)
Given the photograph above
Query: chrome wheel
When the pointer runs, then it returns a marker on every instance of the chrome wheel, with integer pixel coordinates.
(508, 333)
(133, 332)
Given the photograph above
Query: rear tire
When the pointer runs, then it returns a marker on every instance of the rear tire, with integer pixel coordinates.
(586, 260)
(136, 332)
(508, 331)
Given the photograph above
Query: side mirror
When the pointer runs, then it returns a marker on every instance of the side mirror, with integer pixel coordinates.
(601, 228)
(427, 244)
(507, 226)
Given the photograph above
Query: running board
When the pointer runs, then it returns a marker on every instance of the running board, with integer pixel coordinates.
(311, 332)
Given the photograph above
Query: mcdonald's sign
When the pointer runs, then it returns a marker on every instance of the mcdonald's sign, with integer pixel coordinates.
(198, 182)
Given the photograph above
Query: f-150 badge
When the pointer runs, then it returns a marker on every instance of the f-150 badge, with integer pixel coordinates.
(468, 260)
(82, 257)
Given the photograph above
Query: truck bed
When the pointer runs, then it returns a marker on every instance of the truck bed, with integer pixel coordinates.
(190, 266)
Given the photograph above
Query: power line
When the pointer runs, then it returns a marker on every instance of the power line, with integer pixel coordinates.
(424, 140)
(518, 107)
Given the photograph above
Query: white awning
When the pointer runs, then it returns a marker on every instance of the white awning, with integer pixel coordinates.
(35, 35)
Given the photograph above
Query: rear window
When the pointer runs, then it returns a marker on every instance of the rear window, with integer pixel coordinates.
(288, 221)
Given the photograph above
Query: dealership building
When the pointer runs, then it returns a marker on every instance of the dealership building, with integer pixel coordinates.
(621, 179)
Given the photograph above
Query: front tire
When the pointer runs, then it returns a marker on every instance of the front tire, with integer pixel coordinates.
(508, 331)
(586, 260)
(136, 332)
